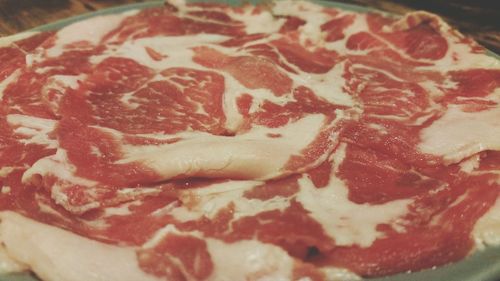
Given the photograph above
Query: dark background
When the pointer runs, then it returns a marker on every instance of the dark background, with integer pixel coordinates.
(477, 18)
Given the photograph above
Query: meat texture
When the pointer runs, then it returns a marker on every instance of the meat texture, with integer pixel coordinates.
(275, 142)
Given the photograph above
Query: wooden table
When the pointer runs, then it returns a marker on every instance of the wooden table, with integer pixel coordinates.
(479, 19)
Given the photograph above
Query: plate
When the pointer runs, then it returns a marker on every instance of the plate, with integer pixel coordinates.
(484, 265)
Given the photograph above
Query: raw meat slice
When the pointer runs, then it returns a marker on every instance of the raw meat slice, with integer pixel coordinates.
(209, 142)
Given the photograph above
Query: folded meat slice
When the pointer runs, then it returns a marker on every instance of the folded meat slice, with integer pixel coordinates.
(198, 143)
(470, 122)
(261, 153)
(96, 165)
(170, 254)
(127, 128)
(487, 226)
(459, 134)
(50, 253)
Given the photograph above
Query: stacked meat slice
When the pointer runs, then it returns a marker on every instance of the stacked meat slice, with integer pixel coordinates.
(209, 142)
